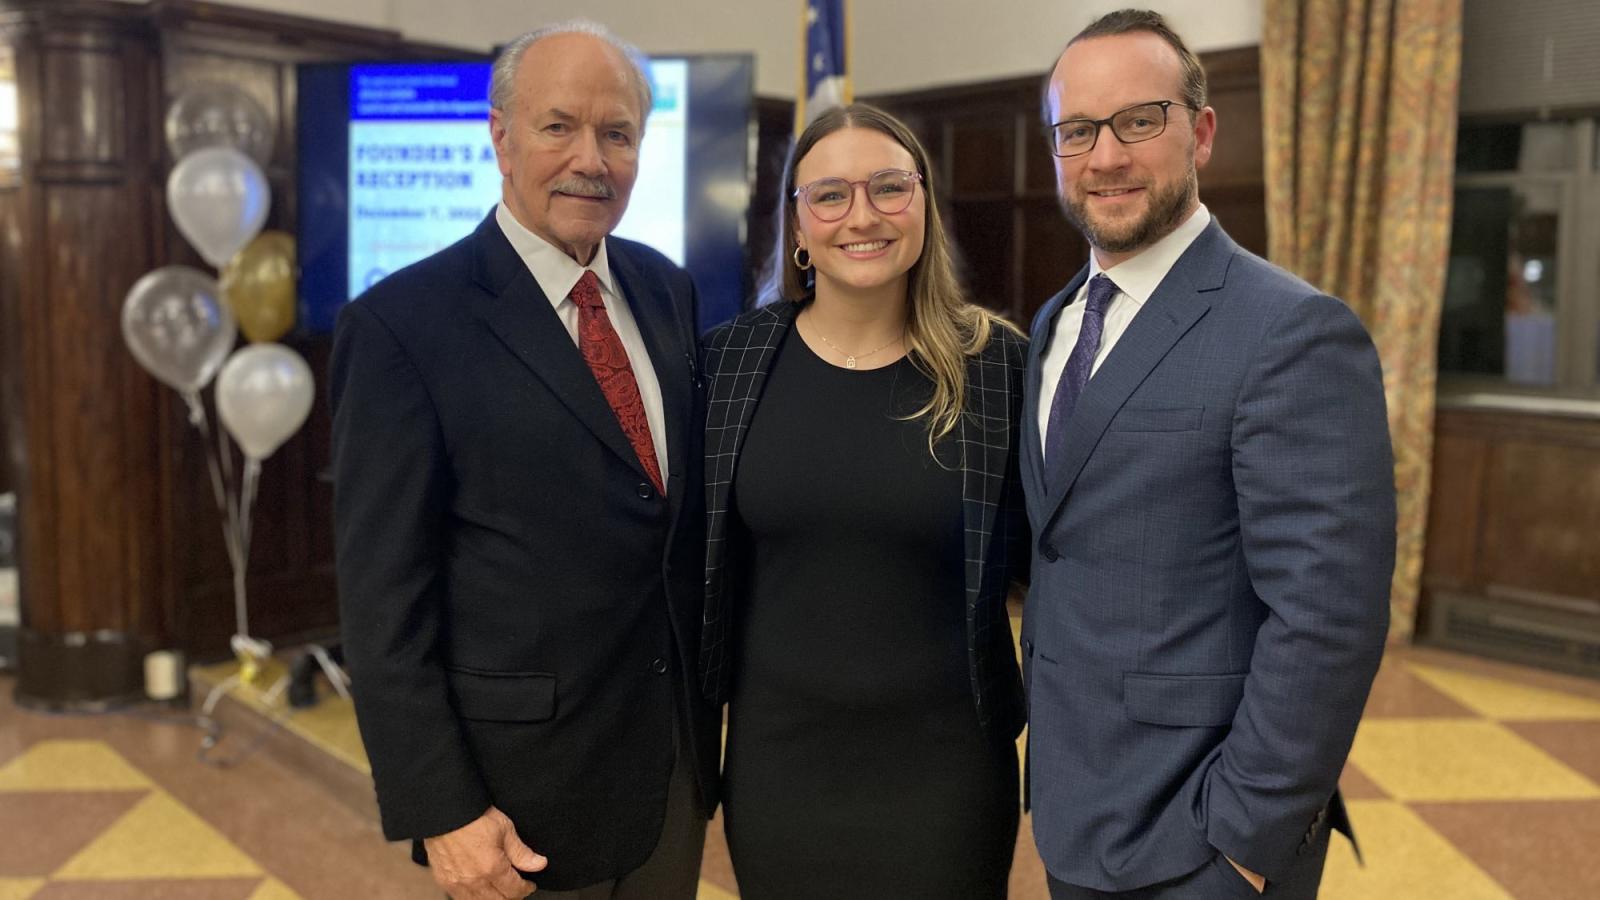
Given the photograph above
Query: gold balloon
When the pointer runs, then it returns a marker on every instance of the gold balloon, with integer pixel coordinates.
(258, 285)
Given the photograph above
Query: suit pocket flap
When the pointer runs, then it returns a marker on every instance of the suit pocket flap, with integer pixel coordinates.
(1146, 418)
(1182, 700)
(502, 696)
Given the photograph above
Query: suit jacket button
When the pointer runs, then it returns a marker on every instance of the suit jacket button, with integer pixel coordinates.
(658, 666)
(1049, 553)
(1027, 647)
(645, 491)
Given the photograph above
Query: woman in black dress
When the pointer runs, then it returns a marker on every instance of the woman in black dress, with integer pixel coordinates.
(865, 525)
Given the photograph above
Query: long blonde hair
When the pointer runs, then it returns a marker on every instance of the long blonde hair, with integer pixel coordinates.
(943, 329)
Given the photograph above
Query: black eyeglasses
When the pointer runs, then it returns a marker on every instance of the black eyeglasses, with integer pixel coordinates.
(888, 190)
(1075, 137)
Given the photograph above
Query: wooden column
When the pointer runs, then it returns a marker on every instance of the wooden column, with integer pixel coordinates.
(81, 418)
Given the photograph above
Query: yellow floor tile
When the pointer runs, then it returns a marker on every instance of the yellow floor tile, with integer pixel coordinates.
(159, 838)
(709, 891)
(19, 888)
(1461, 759)
(273, 889)
(1505, 700)
(331, 727)
(1404, 858)
(70, 766)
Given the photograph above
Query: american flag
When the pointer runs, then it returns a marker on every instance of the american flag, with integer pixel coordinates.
(824, 62)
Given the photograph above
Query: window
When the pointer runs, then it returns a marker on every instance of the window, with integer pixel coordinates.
(1522, 294)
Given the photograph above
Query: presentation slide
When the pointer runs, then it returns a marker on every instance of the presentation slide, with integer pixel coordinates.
(422, 170)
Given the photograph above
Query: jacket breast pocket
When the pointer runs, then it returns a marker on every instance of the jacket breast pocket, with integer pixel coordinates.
(1184, 701)
(1152, 418)
(502, 696)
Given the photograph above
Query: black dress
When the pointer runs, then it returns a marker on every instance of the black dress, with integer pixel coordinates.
(856, 765)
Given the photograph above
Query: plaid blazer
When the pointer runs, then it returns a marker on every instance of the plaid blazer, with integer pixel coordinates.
(738, 357)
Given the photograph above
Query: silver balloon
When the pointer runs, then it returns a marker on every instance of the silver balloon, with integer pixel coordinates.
(177, 327)
(218, 115)
(220, 199)
(263, 397)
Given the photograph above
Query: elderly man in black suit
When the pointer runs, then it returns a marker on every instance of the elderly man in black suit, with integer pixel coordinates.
(520, 515)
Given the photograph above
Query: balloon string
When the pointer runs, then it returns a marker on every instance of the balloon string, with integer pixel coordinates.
(226, 506)
(226, 455)
(247, 499)
(219, 491)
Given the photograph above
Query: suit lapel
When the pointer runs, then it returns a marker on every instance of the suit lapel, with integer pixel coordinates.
(738, 371)
(517, 311)
(986, 435)
(1181, 300)
(1032, 456)
(763, 339)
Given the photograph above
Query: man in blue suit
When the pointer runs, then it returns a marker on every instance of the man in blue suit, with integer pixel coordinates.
(1210, 484)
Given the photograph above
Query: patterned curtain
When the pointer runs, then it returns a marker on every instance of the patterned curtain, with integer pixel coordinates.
(1359, 107)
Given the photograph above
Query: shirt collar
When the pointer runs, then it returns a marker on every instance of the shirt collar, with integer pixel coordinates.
(554, 270)
(1139, 276)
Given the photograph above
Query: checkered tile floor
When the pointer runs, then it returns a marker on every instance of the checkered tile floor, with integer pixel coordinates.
(1467, 780)
(1467, 785)
(78, 820)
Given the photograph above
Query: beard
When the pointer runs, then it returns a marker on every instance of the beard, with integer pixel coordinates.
(1164, 212)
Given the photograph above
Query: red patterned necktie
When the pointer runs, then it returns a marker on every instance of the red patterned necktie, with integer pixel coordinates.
(602, 349)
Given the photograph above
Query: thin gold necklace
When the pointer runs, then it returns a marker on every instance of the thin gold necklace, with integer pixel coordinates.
(850, 358)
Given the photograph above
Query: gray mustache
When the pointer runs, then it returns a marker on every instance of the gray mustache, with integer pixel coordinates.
(579, 186)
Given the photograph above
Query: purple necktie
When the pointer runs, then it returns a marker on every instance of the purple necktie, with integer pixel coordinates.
(1079, 365)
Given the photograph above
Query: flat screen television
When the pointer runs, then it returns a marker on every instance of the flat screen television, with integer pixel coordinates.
(395, 163)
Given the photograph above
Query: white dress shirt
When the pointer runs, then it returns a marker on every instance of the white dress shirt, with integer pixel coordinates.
(557, 273)
(1136, 280)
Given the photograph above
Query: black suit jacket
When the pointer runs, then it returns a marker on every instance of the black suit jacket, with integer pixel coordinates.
(738, 357)
(518, 603)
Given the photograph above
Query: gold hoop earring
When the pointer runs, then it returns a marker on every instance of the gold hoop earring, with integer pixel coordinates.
(802, 266)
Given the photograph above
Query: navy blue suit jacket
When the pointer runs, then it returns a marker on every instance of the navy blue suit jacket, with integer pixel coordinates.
(1210, 585)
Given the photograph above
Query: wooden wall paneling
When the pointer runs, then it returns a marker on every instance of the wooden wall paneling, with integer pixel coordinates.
(10, 346)
(1038, 163)
(1234, 87)
(10, 282)
(1455, 511)
(983, 150)
(1055, 252)
(1541, 534)
(982, 231)
(1514, 527)
(81, 67)
(1242, 210)
(774, 133)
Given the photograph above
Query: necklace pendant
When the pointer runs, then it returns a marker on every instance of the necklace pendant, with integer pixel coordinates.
(849, 362)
